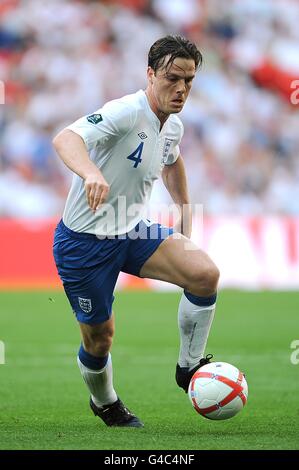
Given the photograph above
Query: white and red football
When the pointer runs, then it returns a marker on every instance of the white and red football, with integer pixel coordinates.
(218, 390)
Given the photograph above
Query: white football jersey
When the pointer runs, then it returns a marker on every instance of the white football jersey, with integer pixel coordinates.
(124, 141)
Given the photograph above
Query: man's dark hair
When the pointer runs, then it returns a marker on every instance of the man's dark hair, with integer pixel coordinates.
(175, 46)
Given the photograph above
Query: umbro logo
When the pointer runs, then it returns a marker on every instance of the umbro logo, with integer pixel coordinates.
(142, 135)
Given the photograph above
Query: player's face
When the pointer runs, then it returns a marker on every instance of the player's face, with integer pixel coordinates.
(170, 86)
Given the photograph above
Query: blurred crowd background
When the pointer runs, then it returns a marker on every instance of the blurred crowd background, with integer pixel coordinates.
(61, 59)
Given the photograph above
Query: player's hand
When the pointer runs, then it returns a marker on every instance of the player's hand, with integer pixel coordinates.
(97, 189)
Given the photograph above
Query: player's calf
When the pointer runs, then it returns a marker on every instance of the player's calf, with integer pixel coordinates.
(97, 339)
(195, 318)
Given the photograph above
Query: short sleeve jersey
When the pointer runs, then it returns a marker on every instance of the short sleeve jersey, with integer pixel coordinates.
(124, 140)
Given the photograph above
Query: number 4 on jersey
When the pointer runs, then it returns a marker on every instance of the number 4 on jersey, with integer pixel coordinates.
(136, 155)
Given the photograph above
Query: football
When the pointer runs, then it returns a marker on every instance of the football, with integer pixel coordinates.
(218, 390)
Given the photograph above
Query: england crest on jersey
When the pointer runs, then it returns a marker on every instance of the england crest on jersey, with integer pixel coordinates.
(166, 149)
(85, 304)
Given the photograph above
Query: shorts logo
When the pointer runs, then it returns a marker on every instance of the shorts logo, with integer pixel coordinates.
(166, 149)
(85, 304)
(95, 118)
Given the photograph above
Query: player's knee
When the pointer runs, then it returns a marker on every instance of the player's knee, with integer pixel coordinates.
(212, 279)
(205, 280)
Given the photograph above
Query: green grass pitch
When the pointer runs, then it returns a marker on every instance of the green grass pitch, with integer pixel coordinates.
(44, 402)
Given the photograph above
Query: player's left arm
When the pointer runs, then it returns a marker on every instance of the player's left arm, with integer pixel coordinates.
(175, 181)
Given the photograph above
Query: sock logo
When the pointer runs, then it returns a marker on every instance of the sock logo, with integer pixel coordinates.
(85, 304)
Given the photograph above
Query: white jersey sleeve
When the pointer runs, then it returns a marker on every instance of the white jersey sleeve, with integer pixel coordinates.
(177, 131)
(114, 120)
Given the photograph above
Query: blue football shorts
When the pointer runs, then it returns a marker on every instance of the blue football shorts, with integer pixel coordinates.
(89, 266)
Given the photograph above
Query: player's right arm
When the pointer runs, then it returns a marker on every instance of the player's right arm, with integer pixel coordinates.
(97, 130)
(72, 150)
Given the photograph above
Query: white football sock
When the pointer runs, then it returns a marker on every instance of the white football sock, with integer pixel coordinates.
(99, 383)
(194, 326)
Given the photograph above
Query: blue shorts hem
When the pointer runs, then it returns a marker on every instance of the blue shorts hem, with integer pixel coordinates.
(96, 320)
(135, 271)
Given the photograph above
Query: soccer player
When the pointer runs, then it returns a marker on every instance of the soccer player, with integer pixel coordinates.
(116, 154)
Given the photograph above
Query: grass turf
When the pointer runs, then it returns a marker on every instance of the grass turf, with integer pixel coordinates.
(44, 402)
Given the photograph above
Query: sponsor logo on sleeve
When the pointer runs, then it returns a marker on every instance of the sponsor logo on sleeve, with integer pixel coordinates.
(166, 149)
(94, 118)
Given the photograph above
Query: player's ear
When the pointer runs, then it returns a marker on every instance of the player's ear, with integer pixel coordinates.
(150, 75)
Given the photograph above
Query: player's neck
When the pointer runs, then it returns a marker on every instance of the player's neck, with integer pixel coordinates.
(154, 107)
